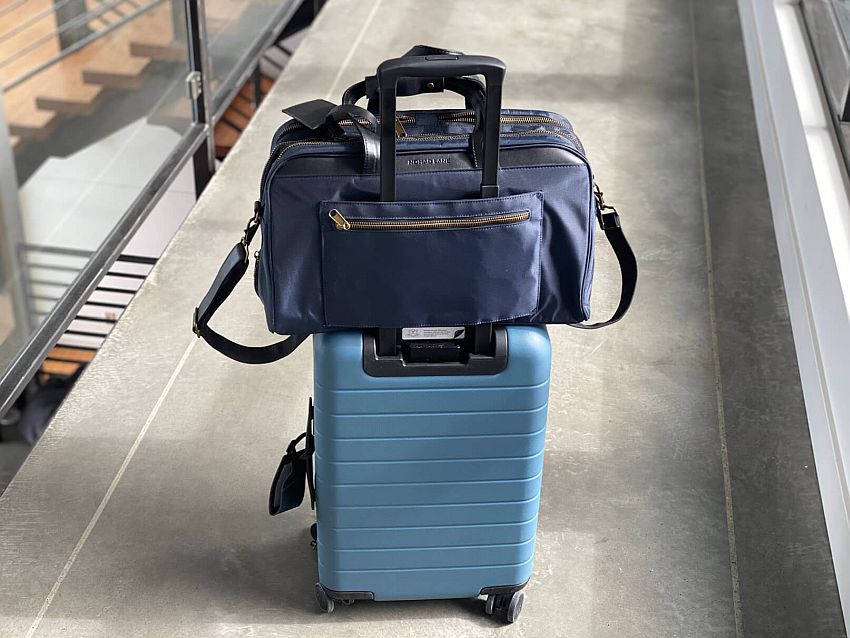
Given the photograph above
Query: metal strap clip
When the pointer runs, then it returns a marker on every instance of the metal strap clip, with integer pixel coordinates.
(607, 220)
(251, 227)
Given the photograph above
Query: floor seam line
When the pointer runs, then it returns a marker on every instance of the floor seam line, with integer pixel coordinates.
(109, 491)
(718, 382)
(351, 51)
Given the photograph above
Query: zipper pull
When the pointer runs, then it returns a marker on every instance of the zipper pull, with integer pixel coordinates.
(341, 222)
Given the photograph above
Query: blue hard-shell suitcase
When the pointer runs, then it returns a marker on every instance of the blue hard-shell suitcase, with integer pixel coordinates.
(428, 472)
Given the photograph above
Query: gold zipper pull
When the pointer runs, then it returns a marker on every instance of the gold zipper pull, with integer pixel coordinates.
(341, 222)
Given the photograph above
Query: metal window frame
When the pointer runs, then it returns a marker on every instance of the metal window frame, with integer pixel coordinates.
(832, 54)
(197, 145)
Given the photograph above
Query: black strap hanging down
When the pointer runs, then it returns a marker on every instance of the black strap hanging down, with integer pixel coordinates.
(231, 271)
(236, 265)
(609, 222)
(295, 469)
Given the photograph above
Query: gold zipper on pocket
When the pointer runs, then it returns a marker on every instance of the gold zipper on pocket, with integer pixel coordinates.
(443, 223)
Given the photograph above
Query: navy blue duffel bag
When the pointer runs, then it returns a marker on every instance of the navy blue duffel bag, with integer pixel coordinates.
(373, 218)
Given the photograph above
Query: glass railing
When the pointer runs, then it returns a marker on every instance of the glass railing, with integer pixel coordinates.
(103, 102)
(828, 25)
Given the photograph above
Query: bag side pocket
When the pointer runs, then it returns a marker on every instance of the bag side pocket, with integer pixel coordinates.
(431, 263)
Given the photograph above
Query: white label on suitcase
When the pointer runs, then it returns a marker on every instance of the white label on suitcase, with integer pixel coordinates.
(447, 332)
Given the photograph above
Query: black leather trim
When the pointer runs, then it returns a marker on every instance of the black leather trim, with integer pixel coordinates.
(457, 160)
(371, 143)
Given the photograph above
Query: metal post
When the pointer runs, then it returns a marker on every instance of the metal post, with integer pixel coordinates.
(71, 11)
(200, 91)
(256, 88)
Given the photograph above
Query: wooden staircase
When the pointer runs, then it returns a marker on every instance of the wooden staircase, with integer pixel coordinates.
(74, 84)
(236, 117)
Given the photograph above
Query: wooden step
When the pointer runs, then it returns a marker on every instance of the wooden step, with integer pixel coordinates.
(65, 353)
(70, 96)
(118, 66)
(236, 118)
(158, 43)
(59, 368)
(23, 116)
(164, 50)
(34, 104)
(239, 112)
(225, 138)
(61, 88)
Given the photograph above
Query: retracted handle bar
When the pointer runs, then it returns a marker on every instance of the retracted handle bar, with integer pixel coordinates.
(447, 65)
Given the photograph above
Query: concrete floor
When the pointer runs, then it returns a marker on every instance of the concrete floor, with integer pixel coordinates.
(679, 497)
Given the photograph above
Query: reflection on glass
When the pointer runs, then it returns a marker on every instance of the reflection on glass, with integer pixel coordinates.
(232, 27)
(93, 103)
(842, 12)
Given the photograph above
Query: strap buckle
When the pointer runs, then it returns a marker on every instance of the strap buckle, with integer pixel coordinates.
(607, 220)
(251, 227)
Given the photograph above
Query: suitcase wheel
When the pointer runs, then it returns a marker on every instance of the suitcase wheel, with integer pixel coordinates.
(509, 604)
(326, 603)
(515, 606)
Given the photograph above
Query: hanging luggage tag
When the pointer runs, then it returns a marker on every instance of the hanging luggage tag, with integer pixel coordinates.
(295, 469)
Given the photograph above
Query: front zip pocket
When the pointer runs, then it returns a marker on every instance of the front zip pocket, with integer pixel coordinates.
(446, 223)
(430, 263)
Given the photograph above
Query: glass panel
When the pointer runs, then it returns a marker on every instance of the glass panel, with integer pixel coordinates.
(94, 101)
(233, 26)
(842, 12)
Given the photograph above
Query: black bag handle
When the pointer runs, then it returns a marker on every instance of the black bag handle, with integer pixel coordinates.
(470, 88)
(367, 131)
(446, 65)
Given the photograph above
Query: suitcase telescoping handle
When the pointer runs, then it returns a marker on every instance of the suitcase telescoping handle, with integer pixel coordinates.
(446, 65)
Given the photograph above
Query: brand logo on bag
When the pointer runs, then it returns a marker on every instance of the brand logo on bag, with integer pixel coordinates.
(427, 161)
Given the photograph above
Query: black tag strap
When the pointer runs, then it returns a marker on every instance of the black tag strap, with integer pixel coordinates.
(295, 470)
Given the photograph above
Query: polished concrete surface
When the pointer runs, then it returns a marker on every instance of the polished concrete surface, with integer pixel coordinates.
(679, 494)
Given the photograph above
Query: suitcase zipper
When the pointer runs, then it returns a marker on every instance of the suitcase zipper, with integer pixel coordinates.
(444, 223)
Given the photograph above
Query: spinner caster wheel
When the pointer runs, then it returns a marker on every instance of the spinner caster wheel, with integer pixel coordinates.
(490, 604)
(326, 603)
(515, 606)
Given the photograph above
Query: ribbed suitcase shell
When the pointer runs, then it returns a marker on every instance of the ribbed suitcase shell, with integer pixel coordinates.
(428, 487)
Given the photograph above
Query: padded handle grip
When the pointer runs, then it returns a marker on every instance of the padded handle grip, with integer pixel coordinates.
(446, 65)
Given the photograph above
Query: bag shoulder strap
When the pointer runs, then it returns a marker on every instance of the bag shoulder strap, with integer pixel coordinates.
(609, 222)
(236, 265)
(229, 274)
